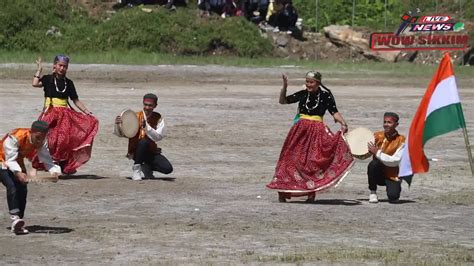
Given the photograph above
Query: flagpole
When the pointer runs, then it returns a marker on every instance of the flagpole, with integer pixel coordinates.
(469, 151)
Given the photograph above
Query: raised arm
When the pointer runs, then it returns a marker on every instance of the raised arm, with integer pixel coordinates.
(36, 78)
(282, 99)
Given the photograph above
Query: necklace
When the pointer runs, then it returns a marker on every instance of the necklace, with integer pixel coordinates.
(317, 102)
(56, 85)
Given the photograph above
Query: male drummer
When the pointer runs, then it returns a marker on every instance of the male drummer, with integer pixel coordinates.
(142, 148)
(386, 151)
(14, 147)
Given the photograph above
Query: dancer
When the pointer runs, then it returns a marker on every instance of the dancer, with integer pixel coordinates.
(312, 158)
(14, 147)
(387, 152)
(143, 148)
(71, 133)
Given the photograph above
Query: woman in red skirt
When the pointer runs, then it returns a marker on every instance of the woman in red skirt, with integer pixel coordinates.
(312, 158)
(71, 133)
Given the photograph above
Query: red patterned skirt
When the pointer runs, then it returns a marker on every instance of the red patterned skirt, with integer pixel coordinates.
(312, 159)
(70, 137)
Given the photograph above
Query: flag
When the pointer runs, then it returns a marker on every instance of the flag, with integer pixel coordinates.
(439, 112)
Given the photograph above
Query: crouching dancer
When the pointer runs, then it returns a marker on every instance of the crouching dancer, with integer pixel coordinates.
(14, 147)
(143, 148)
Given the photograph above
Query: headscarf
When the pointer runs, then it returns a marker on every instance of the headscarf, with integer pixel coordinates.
(314, 75)
(62, 58)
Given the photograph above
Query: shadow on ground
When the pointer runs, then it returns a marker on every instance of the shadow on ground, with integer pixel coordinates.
(345, 202)
(89, 177)
(40, 229)
(386, 201)
(157, 178)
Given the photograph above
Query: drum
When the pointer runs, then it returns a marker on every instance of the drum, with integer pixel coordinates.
(357, 140)
(129, 127)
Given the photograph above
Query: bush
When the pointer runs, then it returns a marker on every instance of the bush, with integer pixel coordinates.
(23, 27)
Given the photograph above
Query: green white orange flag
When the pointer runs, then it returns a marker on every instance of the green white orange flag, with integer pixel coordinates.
(439, 112)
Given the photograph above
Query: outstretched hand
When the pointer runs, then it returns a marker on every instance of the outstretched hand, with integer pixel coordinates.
(39, 64)
(285, 80)
(372, 148)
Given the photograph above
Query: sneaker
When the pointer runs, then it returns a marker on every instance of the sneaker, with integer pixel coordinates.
(18, 226)
(276, 29)
(137, 172)
(373, 198)
(147, 171)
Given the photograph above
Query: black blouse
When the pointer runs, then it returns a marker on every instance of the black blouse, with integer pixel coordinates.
(315, 103)
(63, 89)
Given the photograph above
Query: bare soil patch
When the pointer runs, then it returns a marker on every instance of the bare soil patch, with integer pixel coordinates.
(225, 132)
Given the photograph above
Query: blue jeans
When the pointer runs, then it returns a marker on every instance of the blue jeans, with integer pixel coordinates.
(16, 193)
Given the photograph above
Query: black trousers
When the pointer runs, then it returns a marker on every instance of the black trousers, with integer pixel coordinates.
(376, 178)
(16, 193)
(156, 161)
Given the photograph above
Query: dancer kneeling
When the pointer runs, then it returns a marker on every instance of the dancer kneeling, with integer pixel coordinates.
(142, 148)
(312, 158)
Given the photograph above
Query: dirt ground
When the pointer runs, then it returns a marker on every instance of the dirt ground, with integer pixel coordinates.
(225, 132)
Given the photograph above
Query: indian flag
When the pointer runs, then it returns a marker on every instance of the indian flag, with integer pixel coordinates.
(439, 112)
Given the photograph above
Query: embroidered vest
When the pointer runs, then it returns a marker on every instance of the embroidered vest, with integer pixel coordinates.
(25, 148)
(389, 147)
(153, 121)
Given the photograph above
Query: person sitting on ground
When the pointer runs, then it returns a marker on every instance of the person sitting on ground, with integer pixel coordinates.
(208, 6)
(387, 152)
(255, 10)
(282, 15)
(142, 148)
(14, 147)
(231, 9)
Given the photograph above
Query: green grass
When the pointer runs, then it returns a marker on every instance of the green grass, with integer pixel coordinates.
(441, 255)
(136, 57)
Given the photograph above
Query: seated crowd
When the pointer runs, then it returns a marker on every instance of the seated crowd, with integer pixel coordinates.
(277, 15)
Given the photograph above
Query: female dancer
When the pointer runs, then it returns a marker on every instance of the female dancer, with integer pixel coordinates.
(71, 133)
(312, 158)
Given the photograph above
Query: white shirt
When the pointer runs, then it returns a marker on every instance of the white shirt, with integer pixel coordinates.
(390, 160)
(11, 147)
(154, 134)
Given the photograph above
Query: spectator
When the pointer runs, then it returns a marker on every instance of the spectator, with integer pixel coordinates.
(255, 10)
(282, 15)
(208, 6)
(230, 9)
